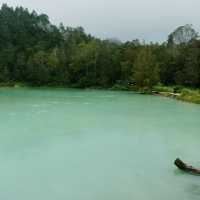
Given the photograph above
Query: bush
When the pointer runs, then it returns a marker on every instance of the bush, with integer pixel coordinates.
(190, 95)
(177, 89)
(161, 88)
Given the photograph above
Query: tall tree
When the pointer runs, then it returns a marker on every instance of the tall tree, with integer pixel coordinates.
(183, 34)
(145, 69)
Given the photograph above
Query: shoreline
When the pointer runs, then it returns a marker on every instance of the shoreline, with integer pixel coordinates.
(184, 94)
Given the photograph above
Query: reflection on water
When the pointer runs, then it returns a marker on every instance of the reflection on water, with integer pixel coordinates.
(87, 144)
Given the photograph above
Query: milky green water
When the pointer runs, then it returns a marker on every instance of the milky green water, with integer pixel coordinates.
(58, 144)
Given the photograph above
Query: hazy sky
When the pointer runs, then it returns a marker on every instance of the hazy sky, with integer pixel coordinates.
(150, 20)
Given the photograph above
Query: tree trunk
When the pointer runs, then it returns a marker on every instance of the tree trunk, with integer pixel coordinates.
(184, 167)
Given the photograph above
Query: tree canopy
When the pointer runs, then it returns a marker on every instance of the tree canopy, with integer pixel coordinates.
(34, 51)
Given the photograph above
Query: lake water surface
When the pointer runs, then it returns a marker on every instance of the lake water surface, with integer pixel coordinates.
(62, 144)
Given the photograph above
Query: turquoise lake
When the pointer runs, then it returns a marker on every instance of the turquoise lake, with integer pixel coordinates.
(65, 144)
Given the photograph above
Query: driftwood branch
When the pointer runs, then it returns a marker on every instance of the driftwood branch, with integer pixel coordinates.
(184, 167)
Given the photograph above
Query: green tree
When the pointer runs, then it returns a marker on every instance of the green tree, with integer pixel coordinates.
(188, 66)
(183, 34)
(38, 72)
(145, 69)
(84, 64)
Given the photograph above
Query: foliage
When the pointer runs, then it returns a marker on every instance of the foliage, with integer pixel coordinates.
(145, 69)
(183, 34)
(161, 88)
(36, 52)
(190, 96)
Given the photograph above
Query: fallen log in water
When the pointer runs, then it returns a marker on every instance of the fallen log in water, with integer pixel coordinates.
(184, 167)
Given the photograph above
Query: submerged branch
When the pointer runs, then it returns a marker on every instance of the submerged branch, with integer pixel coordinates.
(184, 167)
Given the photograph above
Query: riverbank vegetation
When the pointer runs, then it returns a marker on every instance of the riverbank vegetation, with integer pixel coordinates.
(35, 52)
(180, 93)
(190, 96)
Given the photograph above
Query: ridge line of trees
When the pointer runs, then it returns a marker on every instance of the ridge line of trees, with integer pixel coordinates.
(34, 51)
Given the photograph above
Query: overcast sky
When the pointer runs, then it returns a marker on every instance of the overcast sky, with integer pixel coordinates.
(149, 20)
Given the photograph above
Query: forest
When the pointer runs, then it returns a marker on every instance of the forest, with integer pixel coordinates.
(33, 51)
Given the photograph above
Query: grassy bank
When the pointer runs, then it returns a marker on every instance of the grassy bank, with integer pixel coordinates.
(180, 93)
(190, 96)
(13, 84)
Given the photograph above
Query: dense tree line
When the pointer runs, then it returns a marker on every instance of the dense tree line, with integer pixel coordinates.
(34, 51)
